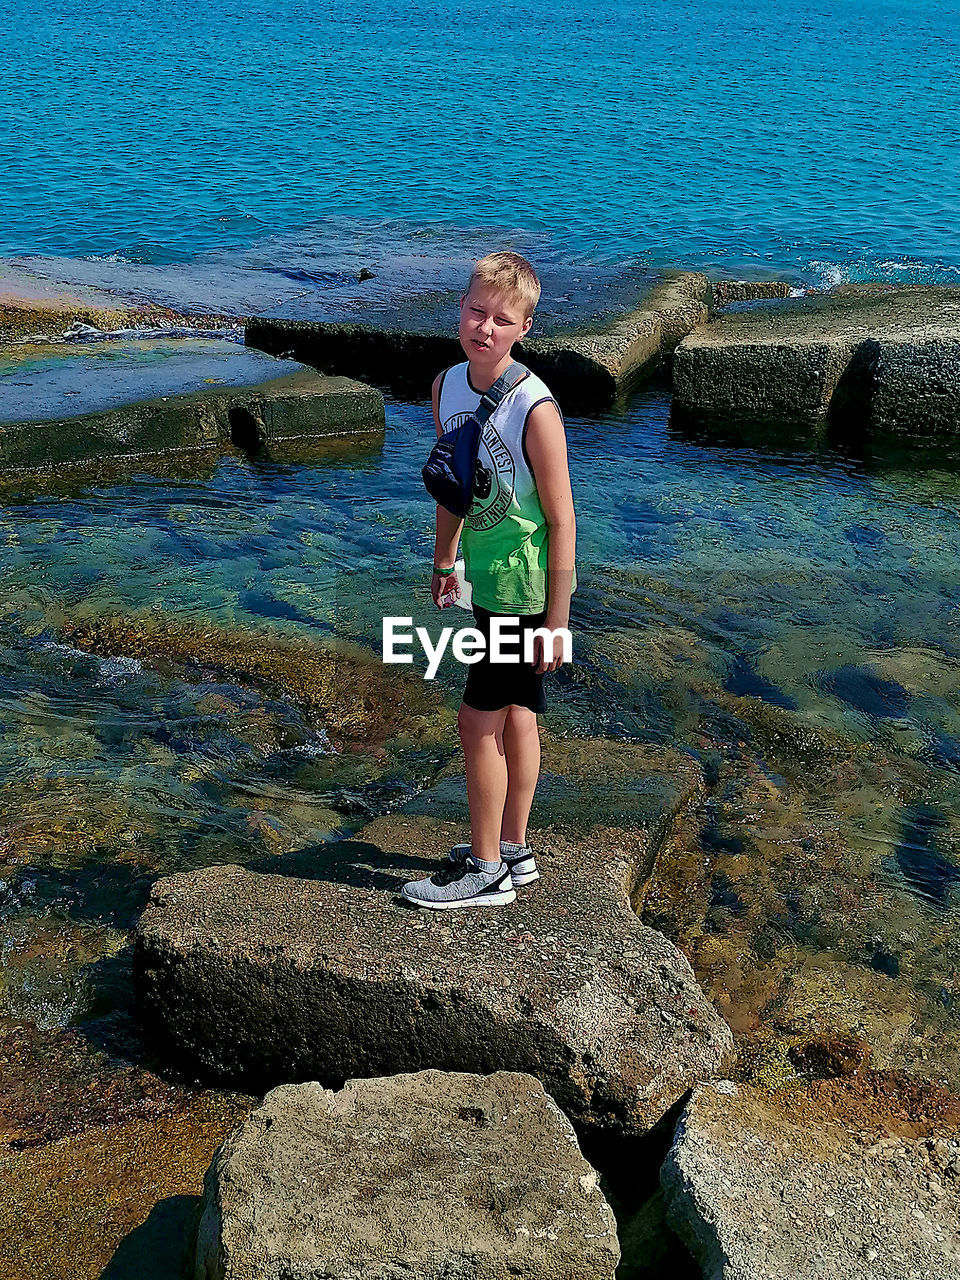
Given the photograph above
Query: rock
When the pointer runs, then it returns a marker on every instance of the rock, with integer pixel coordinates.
(732, 371)
(914, 381)
(756, 1196)
(432, 1176)
(830, 1056)
(326, 973)
(123, 400)
(103, 1161)
(349, 692)
(582, 367)
(597, 368)
(34, 307)
(870, 357)
(727, 291)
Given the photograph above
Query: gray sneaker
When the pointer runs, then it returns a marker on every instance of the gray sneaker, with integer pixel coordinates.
(462, 885)
(523, 867)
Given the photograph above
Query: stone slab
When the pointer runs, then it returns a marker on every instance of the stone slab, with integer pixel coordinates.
(912, 382)
(430, 1176)
(585, 367)
(397, 276)
(726, 292)
(326, 973)
(758, 1197)
(868, 357)
(20, 287)
(78, 378)
(64, 405)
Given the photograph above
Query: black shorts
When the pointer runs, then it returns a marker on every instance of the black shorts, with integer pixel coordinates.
(491, 686)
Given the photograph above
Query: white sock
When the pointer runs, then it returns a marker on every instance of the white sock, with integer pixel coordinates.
(510, 846)
(488, 867)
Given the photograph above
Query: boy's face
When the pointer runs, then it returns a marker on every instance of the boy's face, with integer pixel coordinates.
(490, 323)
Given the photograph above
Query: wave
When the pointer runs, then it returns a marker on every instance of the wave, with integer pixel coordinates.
(87, 333)
(888, 270)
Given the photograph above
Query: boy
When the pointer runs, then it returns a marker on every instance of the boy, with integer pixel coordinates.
(519, 539)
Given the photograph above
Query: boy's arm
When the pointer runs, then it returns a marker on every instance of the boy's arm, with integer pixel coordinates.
(546, 445)
(448, 526)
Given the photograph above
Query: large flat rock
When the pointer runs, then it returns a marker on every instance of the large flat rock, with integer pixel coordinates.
(431, 1176)
(27, 291)
(325, 973)
(757, 1195)
(866, 357)
(159, 397)
(37, 305)
(585, 366)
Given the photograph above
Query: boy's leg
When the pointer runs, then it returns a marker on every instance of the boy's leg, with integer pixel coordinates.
(521, 746)
(481, 733)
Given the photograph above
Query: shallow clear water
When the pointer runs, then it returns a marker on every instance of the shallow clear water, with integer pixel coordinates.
(813, 138)
(733, 601)
(807, 580)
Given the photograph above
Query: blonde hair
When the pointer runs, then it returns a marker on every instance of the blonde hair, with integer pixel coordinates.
(510, 274)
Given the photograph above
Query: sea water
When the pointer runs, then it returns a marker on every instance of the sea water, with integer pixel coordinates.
(817, 139)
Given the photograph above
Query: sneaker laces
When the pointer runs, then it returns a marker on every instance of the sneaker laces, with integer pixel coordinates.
(452, 872)
(447, 875)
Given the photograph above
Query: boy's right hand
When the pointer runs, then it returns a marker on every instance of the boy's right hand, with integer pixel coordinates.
(445, 590)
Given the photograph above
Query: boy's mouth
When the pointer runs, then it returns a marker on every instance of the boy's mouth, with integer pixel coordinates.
(481, 345)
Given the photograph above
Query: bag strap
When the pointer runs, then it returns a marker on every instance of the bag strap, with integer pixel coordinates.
(492, 397)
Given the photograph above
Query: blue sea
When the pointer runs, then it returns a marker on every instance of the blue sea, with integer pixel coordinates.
(818, 140)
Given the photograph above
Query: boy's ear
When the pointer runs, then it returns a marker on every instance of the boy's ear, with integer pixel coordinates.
(526, 326)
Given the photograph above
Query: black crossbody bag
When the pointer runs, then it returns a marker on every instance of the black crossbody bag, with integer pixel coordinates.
(454, 473)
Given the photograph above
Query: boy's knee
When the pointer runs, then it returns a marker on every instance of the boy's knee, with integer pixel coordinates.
(474, 725)
(522, 718)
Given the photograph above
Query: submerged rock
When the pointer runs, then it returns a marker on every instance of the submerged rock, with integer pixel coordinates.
(270, 978)
(871, 357)
(763, 1192)
(352, 692)
(430, 1176)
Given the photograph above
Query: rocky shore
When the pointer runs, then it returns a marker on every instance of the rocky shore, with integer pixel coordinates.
(854, 360)
(655, 960)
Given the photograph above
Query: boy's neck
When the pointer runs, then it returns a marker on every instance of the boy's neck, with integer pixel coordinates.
(482, 377)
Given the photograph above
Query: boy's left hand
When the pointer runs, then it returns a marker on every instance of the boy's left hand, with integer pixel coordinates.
(547, 656)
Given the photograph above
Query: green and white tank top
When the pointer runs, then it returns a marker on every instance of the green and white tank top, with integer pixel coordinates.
(504, 538)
